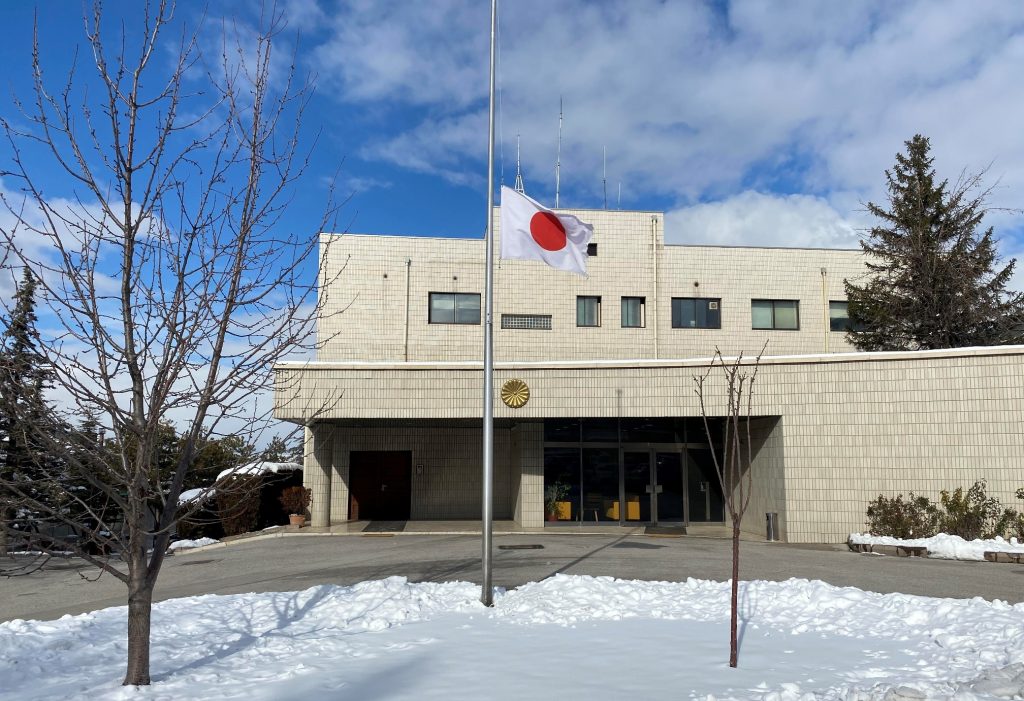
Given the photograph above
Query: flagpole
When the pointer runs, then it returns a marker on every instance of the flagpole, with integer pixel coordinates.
(486, 593)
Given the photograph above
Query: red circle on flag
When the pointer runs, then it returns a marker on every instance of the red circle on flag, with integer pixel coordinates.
(547, 231)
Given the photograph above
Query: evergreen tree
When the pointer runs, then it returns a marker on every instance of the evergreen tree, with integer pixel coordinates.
(276, 450)
(24, 415)
(936, 281)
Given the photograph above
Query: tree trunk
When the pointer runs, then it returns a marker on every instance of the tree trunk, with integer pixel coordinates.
(140, 606)
(733, 643)
(6, 516)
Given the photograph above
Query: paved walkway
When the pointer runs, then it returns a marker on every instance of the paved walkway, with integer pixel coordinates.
(291, 563)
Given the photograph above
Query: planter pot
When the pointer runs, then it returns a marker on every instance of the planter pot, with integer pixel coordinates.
(296, 520)
(552, 517)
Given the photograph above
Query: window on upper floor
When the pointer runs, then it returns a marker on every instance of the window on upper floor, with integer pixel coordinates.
(633, 312)
(778, 314)
(588, 311)
(696, 313)
(839, 317)
(454, 308)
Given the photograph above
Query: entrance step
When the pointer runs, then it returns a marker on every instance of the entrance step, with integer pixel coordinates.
(709, 530)
(666, 530)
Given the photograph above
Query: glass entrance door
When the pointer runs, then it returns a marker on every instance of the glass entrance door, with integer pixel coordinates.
(705, 493)
(670, 492)
(653, 487)
(636, 472)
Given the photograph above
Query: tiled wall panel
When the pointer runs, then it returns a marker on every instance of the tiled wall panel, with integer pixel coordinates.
(853, 426)
(375, 292)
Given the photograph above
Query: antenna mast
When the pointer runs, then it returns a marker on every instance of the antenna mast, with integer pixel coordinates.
(604, 174)
(519, 176)
(618, 205)
(558, 158)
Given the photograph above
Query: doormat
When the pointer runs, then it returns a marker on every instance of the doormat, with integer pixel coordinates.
(384, 527)
(532, 546)
(671, 531)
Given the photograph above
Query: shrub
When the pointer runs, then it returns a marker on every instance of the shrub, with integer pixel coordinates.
(917, 517)
(1011, 523)
(971, 514)
(296, 500)
(238, 503)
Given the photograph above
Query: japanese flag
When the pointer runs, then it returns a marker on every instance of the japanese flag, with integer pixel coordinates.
(530, 232)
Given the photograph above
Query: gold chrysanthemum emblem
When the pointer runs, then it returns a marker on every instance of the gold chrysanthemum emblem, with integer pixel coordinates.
(515, 393)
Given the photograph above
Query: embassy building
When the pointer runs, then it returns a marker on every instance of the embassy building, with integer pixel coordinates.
(594, 388)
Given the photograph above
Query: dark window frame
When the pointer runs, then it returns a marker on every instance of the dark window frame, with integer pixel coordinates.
(774, 326)
(455, 308)
(588, 326)
(717, 300)
(850, 326)
(643, 312)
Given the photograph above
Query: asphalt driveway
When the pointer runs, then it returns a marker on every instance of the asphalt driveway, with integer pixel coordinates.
(299, 562)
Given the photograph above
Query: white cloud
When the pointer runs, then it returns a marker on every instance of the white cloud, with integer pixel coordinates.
(303, 15)
(758, 219)
(695, 101)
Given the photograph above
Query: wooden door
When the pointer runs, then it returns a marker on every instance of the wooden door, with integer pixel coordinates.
(380, 485)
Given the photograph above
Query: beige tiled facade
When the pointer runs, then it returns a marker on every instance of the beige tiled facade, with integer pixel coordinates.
(372, 284)
(837, 427)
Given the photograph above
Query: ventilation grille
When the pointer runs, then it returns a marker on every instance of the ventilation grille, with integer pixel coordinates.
(526, 321)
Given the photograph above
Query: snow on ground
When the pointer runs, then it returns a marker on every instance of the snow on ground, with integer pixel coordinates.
(565, 638)
(945, 546)
(180, 544)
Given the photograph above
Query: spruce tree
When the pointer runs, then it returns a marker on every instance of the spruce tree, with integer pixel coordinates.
(24, 414)
(936, 280)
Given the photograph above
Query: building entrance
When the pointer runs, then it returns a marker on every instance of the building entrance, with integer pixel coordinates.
(654, 487)
(666, 479)
(380, 485)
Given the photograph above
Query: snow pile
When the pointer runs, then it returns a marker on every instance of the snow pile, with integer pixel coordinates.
(945, 546)
(566, 637)
(184, 544)
(259, 468)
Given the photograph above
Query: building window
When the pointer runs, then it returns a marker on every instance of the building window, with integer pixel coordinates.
(696, 313)
(633, 312)
(588, 311)
(778, 314)
(454, 308)
(526, 321)
(839, 317)
(591, 249)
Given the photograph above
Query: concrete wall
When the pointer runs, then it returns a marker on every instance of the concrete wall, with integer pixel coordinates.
(855, 425)
(447, 487)
(767, 477)
(371, 286)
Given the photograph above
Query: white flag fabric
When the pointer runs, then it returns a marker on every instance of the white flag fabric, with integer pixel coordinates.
(531, 232)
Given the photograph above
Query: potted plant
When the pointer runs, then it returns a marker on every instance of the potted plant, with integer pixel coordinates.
(295, 501)
(553, 495)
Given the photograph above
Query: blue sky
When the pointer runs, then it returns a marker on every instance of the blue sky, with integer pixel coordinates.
(747, 122)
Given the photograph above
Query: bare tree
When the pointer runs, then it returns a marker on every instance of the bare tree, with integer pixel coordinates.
(732, 453)
(168, 281)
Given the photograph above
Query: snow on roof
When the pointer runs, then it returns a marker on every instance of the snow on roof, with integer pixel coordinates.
(260, 468)
(194, 494)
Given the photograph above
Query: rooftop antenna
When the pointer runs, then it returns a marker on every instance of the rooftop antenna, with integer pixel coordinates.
(519, 176)
(558, 158)
(618, 204)
(604, 174)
